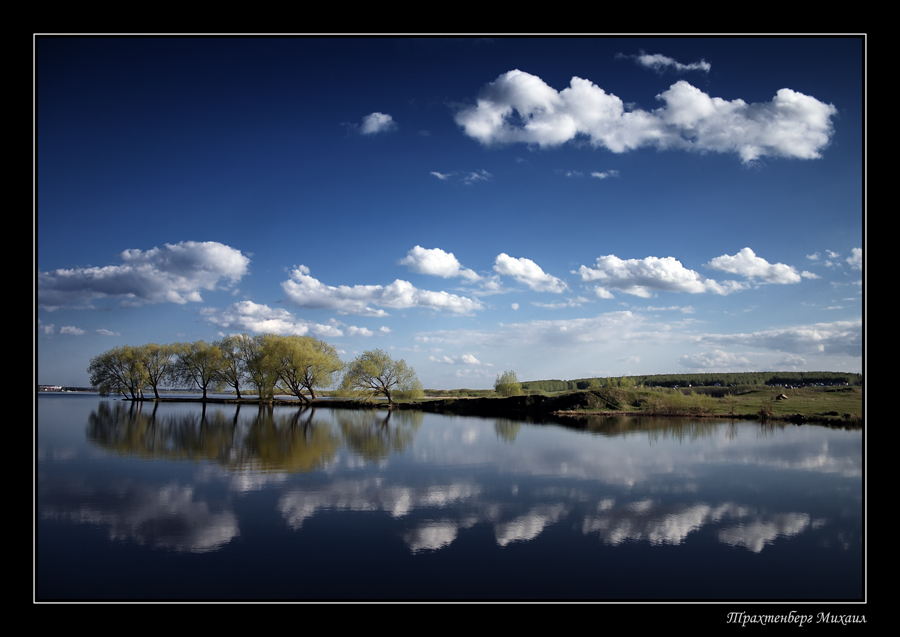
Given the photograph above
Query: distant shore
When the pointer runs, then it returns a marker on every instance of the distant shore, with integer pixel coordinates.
(842, 408)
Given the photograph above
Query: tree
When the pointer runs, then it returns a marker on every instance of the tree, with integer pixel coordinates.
(507, 384)
(374, 373)
(158, 360)
(258, 364)
(302, 363)
(199, 364)
(234, 370)
(119, 370)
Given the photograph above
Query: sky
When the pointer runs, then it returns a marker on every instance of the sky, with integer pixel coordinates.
(560, 207)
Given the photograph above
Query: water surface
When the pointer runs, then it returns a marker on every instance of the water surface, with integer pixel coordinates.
(181, 502)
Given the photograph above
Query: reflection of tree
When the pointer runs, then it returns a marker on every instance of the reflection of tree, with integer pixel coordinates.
(669, 428)
(507, 429)
(373, 436)
(291, 443)
(288, 442)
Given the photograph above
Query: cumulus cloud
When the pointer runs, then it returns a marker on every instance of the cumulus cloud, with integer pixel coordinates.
(578, 301)
(838, 338)
(377, 123)
(247, 316)
(465, 359)
(71, 330)
(436, 262)
(519, 107)
(715, 360)
(660, 63)
(644, 277)
(855, 259)
(175, 273)
(563, 334)
(528, 272)
(606, 174)
(441, 176)
(745, 263)
(367, 300)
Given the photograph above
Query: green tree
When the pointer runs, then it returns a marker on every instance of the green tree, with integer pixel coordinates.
(302, 363)
(119, 370)
(234, 369)
(259, 366)
(159, 361)
(507, 384)
(374, 373)
(199, 364)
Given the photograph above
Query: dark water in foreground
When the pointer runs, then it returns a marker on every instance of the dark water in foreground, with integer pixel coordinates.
(335, 504)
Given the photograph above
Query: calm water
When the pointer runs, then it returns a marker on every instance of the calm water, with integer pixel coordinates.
(178, 503)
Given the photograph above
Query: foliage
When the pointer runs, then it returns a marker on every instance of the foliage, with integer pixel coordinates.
(302, 363)
(234, 371)
(374, 373)
(507, 384)
(199, 364)
(119, 370)
(158, 362)
(258, 366)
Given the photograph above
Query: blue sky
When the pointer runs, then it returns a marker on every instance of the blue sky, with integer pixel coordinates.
(563, 208)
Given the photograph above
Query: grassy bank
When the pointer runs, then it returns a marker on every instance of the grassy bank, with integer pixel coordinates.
(839, 406)
(835, 406)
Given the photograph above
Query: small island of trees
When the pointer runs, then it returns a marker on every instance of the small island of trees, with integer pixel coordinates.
(269, 363)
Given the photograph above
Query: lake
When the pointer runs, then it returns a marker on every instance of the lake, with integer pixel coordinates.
(226, 503)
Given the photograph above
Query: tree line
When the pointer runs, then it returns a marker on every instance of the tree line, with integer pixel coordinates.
(268, 363)
(684, 380)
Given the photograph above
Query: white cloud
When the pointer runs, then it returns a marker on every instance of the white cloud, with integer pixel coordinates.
(806, 274)
(747, 264)
(855, 259)
(515, 306)
(465, 359)
(715, 360)
(660, 63)
(528, 272)
(467, 178)
(74, 331)
(377, 123)
(175, 273)
(476, 176)
(519, 107)
(605, 175)
(436, 262)
(643, 277)
(578, 301)
(841, 337)
(305, 291)
(565, 333)
(105, 332)
(255, 317)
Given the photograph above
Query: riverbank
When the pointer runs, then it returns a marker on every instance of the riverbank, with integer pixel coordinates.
(841, 407)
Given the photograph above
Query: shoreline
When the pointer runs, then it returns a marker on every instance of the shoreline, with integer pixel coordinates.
(561, 409)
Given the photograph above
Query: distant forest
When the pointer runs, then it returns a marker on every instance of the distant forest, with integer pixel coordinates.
(695, 380)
